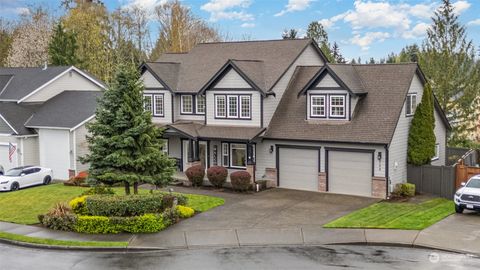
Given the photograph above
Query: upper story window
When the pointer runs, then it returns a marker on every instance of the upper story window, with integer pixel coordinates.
(411, 104)
(200, 100)
(233, 106)
(186, 104)
(154, 103)
(318, 106)
(337, 106)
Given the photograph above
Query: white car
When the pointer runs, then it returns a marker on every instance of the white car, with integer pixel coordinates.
(468, 196)
(25, 176)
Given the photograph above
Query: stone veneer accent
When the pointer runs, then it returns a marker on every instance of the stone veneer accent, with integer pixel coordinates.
(322, 181)
(271, 176)
(379, 185)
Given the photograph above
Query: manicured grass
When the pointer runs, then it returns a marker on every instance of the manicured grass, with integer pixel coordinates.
(391, 215)
(25, 205)
(53, 242)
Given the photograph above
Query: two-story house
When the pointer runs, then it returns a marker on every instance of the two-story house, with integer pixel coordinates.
(278, 110)
(43, 112)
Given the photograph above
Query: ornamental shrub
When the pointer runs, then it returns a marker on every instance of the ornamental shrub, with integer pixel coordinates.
(405, 190)
(78, 180)
(79, 206)
(124, 206)
(147, 223)
(241, 180)
(99, 190)
(184, 211)
(217, 175)
(195, 175)
(60, 217)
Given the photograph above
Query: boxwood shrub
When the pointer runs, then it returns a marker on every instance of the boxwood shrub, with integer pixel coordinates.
(147, 223)
(217, 175)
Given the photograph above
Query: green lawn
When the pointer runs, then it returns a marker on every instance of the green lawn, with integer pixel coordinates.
(53, 242)
(396, 215)
(25, 205)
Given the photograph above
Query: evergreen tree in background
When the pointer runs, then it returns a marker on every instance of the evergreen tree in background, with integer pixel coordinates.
(124, 144)
(290, 34)
(421, 138)
(62, 47)
(336, 54)
(316, 31)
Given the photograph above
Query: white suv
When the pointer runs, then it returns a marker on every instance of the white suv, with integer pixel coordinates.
(468, 196)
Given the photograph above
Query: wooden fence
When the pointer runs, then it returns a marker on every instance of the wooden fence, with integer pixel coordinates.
(464, 172)
(437, 180)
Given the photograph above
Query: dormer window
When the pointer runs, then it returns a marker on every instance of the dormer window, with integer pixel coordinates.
(318, 105)
(337, 106)
(187, 104)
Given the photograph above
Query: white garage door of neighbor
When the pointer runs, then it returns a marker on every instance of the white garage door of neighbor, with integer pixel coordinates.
(55, 151)
(4, 160)
(298, 168)
(350, 173)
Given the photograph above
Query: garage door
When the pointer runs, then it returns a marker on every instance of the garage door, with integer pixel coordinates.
(55, 151)
(298, 168)
(350, 173)
(4, 160)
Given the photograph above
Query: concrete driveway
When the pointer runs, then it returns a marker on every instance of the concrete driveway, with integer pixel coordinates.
(280, 212)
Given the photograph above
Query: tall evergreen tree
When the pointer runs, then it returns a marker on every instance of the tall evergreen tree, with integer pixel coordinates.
(448, 59)
(421, 138)
(290, 34)
(316, 31)
(336, 54)
(62, 47)
(124, 144)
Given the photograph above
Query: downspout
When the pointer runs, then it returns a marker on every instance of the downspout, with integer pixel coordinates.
(387, 176)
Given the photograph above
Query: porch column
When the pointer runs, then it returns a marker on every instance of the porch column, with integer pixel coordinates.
(250, 161)
(190, 150)
(196, 155)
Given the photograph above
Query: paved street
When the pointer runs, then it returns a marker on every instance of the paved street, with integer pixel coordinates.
(326, 257)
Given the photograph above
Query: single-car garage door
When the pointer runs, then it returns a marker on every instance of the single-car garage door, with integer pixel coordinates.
(4, 160)
(350, 173)
(298, 168)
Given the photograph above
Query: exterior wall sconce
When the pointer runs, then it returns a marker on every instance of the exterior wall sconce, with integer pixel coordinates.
(379, 156)
(271, 149)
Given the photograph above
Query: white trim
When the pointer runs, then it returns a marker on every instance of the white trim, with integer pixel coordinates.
(6, 85)
(25, 136)
(74, 145)
(231, 155)
(204, 104)
(1, 116)
(57, 77)
(46, 127)
(331, 106)
(82, 123)
(22, 158)
(249, 98)
(229, 106)
(5, 135)
(181, 104)
(154, 104)
(216, 106)
(324, 106)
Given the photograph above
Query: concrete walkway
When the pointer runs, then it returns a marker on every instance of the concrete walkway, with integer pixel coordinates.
(281, 217)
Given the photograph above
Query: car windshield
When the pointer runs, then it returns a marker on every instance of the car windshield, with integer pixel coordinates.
(473, 183)
(14, 172)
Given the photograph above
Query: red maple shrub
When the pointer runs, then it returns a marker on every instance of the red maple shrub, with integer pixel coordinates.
(241, 180)
(195, 175)
(217, 176)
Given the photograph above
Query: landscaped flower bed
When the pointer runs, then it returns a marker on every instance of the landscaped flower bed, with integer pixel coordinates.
(109, 213)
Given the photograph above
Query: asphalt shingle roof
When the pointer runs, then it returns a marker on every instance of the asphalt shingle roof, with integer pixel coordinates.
(375, 115)
(17, 114)
(66, 110)
(200, 130)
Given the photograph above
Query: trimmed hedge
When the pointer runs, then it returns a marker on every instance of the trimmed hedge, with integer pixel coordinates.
(241, 180)
(195, 175)
(99, 190)
(217, 176)
(147, 223)
(124, 206)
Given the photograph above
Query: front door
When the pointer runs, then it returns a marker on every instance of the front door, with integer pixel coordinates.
(202, 153)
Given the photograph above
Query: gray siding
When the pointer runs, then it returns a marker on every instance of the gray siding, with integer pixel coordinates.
(81, 147)
(179, 116)
(167, 107)
(441, 138)
(174, 147)
(265, 159)
(255, 109)
(309, 57)
(31, 155)
(327, 81)
(232, 80)
(149, 81)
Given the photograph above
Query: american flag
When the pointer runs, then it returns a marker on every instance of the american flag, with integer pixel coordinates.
(11, 150)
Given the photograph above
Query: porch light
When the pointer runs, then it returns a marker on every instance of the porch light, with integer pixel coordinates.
(271, 149)
(379, 156)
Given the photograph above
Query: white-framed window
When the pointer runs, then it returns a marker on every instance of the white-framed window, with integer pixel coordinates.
(220, 106)
(158, 105)
(411, 104)
(337, 106)
(225, 155)
(148, 103)
(238, 155)
(437, 152)
(245, 107)
(165, 146)
(200, 103)
(317, 106)
(187, 104)
(232, 111)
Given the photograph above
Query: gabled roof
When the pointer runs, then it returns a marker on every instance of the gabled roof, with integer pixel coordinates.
(66, 110)
(166, 73)
(344, 75)
(376, 114)
(16, 115)
(200, 65)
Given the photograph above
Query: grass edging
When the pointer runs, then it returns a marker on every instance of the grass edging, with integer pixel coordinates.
(22, 239)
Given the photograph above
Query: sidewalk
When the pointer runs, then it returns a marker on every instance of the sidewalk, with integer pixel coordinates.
(458, 233)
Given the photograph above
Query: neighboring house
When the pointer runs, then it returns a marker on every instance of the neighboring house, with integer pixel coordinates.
(43, 112)
(277, 110)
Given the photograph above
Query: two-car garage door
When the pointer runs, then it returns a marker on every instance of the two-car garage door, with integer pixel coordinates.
(348, 172)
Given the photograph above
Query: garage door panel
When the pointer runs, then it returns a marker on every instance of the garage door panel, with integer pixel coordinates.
(350, 173)
(298, 168)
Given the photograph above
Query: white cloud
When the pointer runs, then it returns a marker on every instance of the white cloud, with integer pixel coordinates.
(417, 31)
(146, 4)
(294, 5)
(474, 22)
(228, 10)
(369, 37)
(460, 6)
(247, 25)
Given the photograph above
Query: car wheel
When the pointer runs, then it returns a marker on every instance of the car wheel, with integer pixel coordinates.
(458, 209)
(47, 180)
(14, 187)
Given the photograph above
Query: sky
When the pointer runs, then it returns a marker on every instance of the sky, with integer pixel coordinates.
(362, 28)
